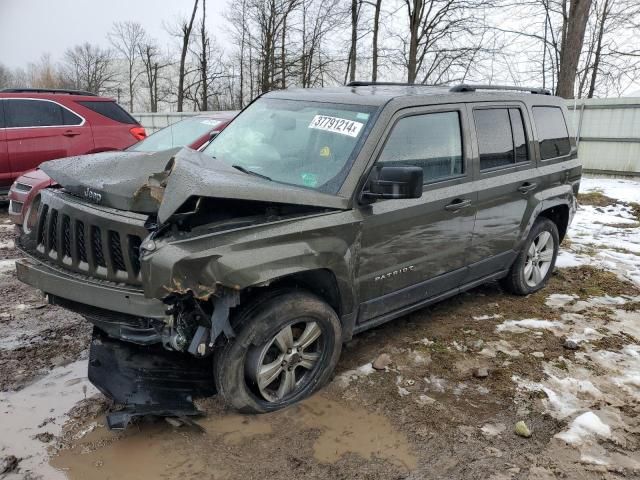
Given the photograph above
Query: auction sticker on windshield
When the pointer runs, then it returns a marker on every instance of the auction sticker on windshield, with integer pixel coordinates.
(336, 125)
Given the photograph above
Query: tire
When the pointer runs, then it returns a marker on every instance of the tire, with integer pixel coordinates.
(541, 249)
(272, 332)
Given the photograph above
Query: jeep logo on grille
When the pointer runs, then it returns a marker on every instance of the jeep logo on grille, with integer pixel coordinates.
(92, 196)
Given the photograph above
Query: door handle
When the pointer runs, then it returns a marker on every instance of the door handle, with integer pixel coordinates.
(458, 204)
(70, 133)
(527, 187)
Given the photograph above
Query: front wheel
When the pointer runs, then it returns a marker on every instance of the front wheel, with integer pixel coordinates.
(286, 348)
(534, 265)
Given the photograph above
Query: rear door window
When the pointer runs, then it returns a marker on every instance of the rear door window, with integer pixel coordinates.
(70, 118)
(32, 113)
(553, 135)
(502, 140)
(432, 141)
(110, 110)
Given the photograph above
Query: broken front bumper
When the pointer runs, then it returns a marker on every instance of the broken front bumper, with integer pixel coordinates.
(147, 380)
(122, 312)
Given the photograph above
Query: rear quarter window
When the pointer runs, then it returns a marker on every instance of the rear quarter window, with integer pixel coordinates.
(110, 110)
(553, 135)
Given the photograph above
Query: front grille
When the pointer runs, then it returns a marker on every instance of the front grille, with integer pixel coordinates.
(96, 242)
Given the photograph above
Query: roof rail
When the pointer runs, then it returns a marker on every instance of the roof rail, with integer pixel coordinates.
(463, 87)
(364, 83)
(48, 90)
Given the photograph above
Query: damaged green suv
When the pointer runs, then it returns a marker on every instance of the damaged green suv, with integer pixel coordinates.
(316, 214)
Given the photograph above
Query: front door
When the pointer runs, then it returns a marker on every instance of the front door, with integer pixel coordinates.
(40, 130)
(414, 249)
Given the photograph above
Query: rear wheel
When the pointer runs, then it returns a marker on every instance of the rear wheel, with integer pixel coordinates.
(287, 347)
(534, 265)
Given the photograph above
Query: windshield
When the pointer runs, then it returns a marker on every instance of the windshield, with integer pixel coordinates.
(308, 144)
(181, 133)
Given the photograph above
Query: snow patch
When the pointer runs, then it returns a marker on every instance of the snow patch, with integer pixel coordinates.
(7, 266)
(520, 326)
(345, 378)
(583, 427)
(488, 317)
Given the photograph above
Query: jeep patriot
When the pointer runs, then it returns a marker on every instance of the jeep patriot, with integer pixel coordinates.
(316, 214)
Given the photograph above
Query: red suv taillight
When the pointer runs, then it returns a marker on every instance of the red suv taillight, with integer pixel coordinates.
(139, 133)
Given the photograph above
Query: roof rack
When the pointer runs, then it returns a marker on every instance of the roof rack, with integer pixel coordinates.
(463, 87)
(361, 83)
(48, 90)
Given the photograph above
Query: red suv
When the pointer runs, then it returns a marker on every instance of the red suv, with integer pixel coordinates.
(194, 132)
(38, 125)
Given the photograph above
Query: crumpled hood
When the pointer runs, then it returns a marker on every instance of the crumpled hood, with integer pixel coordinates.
(161, 182)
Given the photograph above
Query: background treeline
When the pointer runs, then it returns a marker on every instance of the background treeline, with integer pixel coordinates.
(581, 48)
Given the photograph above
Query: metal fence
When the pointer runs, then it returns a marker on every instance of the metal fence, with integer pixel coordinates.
(608, 132)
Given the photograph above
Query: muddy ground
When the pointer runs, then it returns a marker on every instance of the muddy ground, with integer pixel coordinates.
(432, 413)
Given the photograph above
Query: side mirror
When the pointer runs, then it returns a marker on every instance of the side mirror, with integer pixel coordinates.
(213, 134)
(394, 182)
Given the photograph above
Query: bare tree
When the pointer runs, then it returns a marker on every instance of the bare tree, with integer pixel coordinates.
(376, 29)
(572, 42)
(6, 77)
(320, 19)
(153, 65)
(435, 42)
(45, 74)
(89, 67)
(353, 48)
(184, 33)
(127, 38)
(269, 18)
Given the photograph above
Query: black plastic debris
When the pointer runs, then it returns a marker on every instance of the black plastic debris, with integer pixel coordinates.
(147, 380)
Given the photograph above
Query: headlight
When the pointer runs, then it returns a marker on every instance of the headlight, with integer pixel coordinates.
(31, 216)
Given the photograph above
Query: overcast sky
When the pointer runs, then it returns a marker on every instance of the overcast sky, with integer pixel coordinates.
(30, 28)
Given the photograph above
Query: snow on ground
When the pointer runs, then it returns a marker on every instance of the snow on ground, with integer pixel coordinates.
(591, 390)
(626, 190)
(606, 237)
(7, 266)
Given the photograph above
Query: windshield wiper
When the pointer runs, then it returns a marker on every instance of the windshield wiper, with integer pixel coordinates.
(251, 172)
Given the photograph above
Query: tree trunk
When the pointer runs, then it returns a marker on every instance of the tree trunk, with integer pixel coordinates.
(186, 34)
(282, 53)
(572, 47)
(374, 56)
(414, 26)
(354, 40)
(598, 51)
(203, 61)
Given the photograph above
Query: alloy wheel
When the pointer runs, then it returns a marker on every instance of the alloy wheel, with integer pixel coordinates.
(539, 258)
(285, 363)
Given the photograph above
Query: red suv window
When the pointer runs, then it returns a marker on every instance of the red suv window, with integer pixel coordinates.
(110, 110)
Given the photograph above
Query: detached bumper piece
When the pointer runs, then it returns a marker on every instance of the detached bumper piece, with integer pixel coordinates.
(147, 380)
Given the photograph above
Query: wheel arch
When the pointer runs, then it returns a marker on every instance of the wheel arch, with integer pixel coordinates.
(558, 214)
(322, 282)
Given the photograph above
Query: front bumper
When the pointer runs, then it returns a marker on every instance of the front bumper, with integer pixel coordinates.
(86, 291)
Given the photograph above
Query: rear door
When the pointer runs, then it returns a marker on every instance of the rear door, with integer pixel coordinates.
(507, 179)
(5, 167)
(414, 249)
(36, 132)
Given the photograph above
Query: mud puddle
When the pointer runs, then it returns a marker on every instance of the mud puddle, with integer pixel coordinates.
(39, 409)
(318, 434)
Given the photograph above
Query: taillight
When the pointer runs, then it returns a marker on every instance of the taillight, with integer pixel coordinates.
(139, 133)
